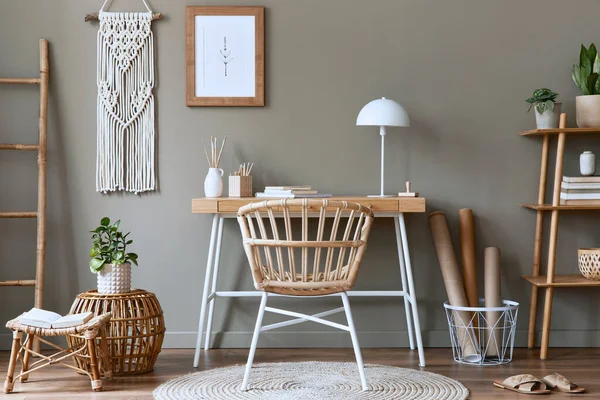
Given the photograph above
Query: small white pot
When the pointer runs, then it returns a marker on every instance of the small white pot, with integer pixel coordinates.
(114, 279)
(587, 111)
(213, 184)
(549, 118)
(587, 163)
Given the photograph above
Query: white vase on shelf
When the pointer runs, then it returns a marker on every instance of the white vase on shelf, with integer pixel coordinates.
(587, 163)
(213, 184)
(549, 118)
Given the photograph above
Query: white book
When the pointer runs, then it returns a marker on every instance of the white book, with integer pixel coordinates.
(292, 195)
(48, 319)
(291, 191)
(581, 179)
(579, 196)
(300, 187)
(582, 185)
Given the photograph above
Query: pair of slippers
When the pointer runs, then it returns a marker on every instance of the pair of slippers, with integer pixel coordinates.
(529, 384)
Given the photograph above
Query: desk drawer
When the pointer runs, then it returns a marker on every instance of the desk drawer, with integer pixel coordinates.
(232, 206)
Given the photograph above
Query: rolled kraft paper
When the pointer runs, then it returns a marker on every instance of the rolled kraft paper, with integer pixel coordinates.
(454, 285)
(492, 299)
(469, 266)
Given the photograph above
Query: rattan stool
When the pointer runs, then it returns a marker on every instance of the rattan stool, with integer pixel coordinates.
(99, 360)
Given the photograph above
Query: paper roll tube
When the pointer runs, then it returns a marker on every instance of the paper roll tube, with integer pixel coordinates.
(454, 285)
(469, 266)
(492, 299)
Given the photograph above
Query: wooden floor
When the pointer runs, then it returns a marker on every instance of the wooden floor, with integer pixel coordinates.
(581, 365)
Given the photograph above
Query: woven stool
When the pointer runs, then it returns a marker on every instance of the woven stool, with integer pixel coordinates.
(99, 360)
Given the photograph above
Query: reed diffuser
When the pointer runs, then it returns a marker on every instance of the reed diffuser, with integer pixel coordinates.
(240, 183)
(213, 184)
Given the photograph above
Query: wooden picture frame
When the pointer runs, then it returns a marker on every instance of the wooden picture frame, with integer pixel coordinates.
(241, 87)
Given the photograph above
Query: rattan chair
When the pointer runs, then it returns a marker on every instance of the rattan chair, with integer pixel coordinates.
(327, 265)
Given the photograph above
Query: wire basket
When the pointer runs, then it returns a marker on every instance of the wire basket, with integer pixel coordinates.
(483, 335)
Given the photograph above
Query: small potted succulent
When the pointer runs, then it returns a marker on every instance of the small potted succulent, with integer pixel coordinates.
(547, 110)
(585, 76)
(110, 260)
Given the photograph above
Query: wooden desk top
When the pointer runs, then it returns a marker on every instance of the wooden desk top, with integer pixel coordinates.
(230, 205)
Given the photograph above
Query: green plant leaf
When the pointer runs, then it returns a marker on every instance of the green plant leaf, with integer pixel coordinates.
(96, 264)
(116, 224)
(550, 105)
(105, 221)
(591, 83)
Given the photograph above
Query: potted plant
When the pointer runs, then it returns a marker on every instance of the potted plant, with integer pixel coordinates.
(110, 260)
(585, 76)
(546, 108)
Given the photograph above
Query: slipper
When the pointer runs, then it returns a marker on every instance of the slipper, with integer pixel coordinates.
(525, 384)
(557, 381)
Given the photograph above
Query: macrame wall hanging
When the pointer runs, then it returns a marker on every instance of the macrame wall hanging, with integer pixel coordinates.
(125, 116)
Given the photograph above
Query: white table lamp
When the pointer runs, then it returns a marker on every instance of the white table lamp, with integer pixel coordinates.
(382, 112)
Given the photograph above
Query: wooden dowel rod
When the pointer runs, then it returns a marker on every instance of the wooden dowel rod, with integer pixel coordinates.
(27, 214)
(30, 282)
(29, 81)
(19, 147)
(94, 16)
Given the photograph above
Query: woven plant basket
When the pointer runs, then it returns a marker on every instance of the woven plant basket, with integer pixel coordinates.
(589, 263)
(114, 279)
(135, 333)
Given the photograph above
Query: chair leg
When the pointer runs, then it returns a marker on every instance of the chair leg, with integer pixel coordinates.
(27, 357)
(359, 359)
(90, 338)
(106, 361)
(259, 318)
(12, 364)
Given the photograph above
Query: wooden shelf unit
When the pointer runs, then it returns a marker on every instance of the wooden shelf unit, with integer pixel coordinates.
(551, 280)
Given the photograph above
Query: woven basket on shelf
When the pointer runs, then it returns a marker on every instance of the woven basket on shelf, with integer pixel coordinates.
(135, 332)
(589, 263)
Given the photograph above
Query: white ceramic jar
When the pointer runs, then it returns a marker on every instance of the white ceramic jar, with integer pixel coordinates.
(213, 184)
(114, 279)
(587, 163)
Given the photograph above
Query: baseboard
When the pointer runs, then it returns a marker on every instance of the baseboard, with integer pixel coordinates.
(294, 339)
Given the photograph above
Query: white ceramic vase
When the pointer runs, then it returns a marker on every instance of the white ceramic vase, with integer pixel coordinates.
(587, 111)
(213, 184)
(549, 118)
(587, 163)
(114, 279)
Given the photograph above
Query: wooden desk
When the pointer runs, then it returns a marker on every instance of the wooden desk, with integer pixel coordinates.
(393, 207)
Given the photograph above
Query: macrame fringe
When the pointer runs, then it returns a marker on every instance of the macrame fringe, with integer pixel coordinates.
(125, 113)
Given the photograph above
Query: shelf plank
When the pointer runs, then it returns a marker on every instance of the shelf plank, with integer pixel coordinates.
(555, 131)
(550, 207)
(574, 280)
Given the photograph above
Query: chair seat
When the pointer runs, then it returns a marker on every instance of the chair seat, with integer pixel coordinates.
(95, 323)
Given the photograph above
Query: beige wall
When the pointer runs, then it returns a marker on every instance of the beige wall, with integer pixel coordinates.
(461, 68)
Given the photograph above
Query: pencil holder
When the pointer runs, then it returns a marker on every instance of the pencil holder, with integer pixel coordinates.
(240, 186)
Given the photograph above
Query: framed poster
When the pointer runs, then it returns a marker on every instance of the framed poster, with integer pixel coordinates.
(225, 56)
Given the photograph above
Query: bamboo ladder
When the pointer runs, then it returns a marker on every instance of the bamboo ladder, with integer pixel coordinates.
(40, 214)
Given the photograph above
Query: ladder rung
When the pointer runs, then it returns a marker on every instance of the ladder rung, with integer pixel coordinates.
(30, 282)
(30, 147)
(26, 214)
(28, 81)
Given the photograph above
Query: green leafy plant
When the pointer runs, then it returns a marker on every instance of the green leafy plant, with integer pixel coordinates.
(585, 75)
(542, 99)
(110, 246)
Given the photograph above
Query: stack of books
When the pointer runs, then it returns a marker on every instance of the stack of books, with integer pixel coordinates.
(290, 192)
(580, 190)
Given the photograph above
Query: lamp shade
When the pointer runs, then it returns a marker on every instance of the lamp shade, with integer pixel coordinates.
(383, 112)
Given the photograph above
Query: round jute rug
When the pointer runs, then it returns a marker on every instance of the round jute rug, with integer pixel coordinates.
(312, 381)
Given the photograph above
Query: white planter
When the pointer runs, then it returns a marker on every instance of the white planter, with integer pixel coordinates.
(588, 111)
(114, 279)
(587, 163)
(549, 118)
(213, 184)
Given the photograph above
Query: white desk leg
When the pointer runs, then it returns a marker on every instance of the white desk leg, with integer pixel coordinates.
(407, 310)
(215, 275)
(411, 287)
(209, 265)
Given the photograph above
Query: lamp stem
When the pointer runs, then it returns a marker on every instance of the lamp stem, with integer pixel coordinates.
(382, 133)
